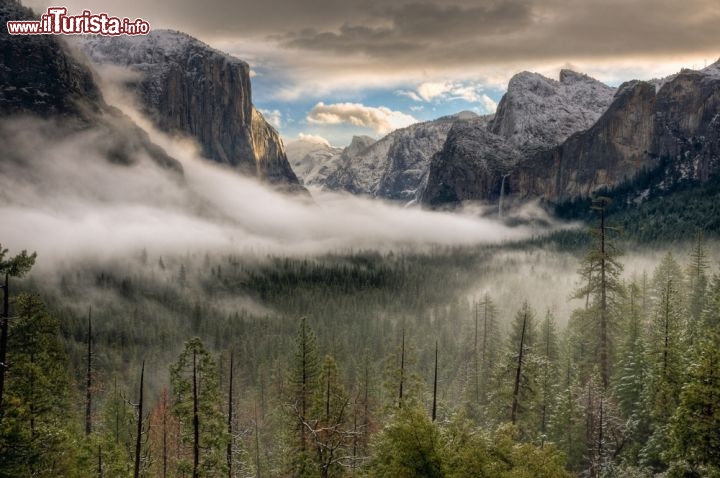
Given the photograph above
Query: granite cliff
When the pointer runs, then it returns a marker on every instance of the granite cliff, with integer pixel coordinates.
(186, 87)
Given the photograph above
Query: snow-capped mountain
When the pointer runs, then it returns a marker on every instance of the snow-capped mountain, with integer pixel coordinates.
(394, 166)
(189, 88)
(672, 124)
(539, 112)
(312, 161)
(535, 114)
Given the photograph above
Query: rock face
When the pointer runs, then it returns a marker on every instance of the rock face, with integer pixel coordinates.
(41, 78)
(395, 166)
(677, 126)
(535, 114)
(562, 140)
(470, 166)
(538, 112)
(613, 150)
(187, 87)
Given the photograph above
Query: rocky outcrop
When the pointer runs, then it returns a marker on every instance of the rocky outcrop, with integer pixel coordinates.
(470, 166)
(673, 124)
(187, 87)
(41, 78)
(395, 166)
(538, 112)
(613, 150)
(535, 114)
(676, 127)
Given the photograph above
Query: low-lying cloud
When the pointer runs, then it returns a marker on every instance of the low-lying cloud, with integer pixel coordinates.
(62, 198)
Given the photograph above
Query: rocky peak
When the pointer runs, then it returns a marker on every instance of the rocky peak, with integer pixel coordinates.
(569, 76)
(358, 144)
(712, 70)
(538, 112)
(186, 87)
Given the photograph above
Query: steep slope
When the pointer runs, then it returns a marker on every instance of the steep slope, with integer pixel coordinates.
(393, 167)
(613, 150)
(470, 166)
(187, 87)
(676, 129)
(538, 112)
(41, 78)
(535, 114)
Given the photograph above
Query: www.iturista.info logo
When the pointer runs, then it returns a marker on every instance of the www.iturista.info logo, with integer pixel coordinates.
(57, 22)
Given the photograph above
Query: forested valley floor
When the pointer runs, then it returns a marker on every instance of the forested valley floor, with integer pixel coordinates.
(495, 361)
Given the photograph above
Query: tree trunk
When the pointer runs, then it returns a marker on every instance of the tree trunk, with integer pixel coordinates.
(138, 438)
(230, 418)
(196, 421)
(604, 346)
(88, 378)
(402, 368)
(518, 372)
(3, 340)
(435, 380)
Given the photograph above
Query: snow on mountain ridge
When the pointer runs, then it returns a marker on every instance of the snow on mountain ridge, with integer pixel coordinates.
(541, 112)
(150, 49)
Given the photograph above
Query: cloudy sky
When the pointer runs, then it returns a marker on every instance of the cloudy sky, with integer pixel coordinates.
(334, 68)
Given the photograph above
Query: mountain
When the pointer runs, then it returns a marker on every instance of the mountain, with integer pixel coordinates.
(536, 113)
(189, 88)
(395, 166)
(470, 165)
(312, 161)
(673, 126)
(41, 78)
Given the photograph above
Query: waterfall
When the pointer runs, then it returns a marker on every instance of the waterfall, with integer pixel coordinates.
(502, 194)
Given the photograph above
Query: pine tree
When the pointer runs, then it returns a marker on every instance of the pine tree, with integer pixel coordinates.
(695, 427)
(16, 266)
(547, 355)
(196, 404)
(697, 285)
(602, 291)
(666, 358)
(304, 380)
(36, 436)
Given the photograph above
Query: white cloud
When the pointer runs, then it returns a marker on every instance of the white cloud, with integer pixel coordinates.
(430, 90)
(381, 119)
(489, 104)
(274, 117)
(313, 138)
(434, 91)
(417, 108)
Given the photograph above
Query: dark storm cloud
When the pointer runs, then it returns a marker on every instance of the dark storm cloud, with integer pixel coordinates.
(515, 30)
(413, 34)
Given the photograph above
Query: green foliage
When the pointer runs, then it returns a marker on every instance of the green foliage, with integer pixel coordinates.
(695, 428)
(195, 373)
(18, 265)
(409, 446)
(36, 433)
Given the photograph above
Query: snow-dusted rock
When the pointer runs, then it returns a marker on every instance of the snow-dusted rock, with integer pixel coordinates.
(393, 167)
(538, 112)
(189, 88)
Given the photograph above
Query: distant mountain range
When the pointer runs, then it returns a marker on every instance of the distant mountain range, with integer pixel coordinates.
(553, 140)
